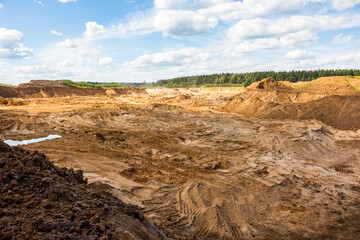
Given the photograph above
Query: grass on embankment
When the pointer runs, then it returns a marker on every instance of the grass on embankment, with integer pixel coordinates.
(70, 83)
(5, 85)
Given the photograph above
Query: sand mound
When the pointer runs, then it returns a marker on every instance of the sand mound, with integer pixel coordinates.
(269, 84)
(41, 201)
(184, 96)
(342, 112)
(334, 101)
(329, 85)
(42, 83)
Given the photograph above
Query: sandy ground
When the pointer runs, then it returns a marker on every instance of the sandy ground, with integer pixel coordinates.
(200, 173)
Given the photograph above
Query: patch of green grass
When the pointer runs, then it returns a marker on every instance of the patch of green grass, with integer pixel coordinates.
(5, 85)
(70, 83)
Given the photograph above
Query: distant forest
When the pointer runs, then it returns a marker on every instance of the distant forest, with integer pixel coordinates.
(245, 79)
(70, 83)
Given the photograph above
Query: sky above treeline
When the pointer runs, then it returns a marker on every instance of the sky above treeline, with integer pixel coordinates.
(136, 41)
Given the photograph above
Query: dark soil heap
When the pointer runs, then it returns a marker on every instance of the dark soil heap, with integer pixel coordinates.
(41, 201)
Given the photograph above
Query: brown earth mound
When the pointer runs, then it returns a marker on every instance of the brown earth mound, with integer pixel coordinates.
(3, 101)
(10, 102)
(334, 101)
(342, 112)
(269, 84)
(42, 83)
(41, 201)
(47, 92)
(329, 85)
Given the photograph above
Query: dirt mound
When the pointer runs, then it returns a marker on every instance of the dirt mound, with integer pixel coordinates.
(329, 85)
(3, 101)
(334, 101)
(342, 112)
(41, 201)
(42, 83)
(184, 96)
(269, 84)
(10, 102)
(48, 92)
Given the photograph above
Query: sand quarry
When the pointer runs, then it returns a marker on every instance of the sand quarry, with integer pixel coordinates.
(274, 160)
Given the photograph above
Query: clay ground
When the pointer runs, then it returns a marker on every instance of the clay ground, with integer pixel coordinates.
(200, 173)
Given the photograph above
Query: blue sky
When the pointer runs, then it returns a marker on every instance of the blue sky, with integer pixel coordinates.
(136, 41)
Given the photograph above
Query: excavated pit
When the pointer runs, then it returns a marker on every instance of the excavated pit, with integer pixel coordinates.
(197, 172)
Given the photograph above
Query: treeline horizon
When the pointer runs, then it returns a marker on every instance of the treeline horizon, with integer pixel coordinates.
(245, 79)
(220, 79)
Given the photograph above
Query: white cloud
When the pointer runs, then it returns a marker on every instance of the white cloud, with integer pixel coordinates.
(341, 38)
(56, 33)
(261, 28)
(94, 30)
(344, 4)
(33, 69)
(169, 4)
(97, 31)
(165, 59)
(66, 1)
(299, 55)
(1, 5)
(183, 23)
(301, 38)
(232, 10)
(68, 43)
(11, 46)
(106, 61)
(26, 73)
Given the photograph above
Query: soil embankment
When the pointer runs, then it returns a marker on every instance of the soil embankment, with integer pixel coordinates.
(41, 201)
(50, 89)
(335, 105)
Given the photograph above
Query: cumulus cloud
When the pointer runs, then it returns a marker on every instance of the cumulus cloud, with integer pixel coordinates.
(261, 28)
(11, 46)
(169, 4)
(56, 33)
(94, 30)
(68, 43)
(301, 38)
(232, 10)
(341, 38)
(1, 5)
(344, 4)
(106, 61)
(183, 23)
(299, 55)
(165, 59)
(98, 31)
